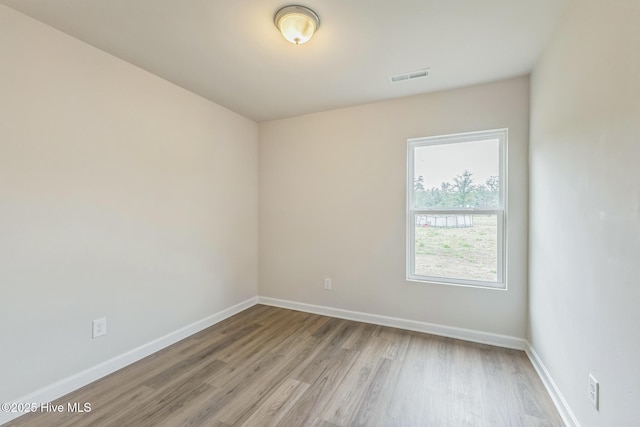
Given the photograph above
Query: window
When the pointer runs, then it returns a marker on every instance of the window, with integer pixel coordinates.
(456, 187)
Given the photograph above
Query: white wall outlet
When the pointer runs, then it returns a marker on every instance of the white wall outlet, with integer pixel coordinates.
(327, 284)
(594, 391)
(99, 327)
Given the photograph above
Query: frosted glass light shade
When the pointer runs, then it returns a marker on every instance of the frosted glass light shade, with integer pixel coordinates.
(297, 23)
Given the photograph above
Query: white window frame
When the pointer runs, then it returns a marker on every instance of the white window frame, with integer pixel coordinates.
(501, 214)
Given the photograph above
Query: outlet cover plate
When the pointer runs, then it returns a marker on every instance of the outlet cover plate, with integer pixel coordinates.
(594, 391)
(99, 327)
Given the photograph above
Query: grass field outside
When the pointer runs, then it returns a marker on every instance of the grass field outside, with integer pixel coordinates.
(462, 253)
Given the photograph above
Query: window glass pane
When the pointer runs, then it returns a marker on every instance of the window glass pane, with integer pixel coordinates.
(457, 246)
(457, 176)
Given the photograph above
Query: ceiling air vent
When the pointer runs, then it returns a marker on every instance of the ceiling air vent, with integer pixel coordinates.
(409, 76)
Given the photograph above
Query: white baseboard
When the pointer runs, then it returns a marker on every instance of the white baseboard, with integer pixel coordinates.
(394, 322)
(561, 404)
(74, 382)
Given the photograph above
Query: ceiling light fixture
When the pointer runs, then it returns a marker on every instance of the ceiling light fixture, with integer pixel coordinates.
(297, 23)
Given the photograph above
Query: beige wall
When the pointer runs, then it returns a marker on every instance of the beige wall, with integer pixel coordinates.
(332, 204)
(585, 209)
(121, 195)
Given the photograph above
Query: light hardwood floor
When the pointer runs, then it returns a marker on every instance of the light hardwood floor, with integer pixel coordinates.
(268, 366)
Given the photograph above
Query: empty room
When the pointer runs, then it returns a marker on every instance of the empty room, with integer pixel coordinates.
(330, 213)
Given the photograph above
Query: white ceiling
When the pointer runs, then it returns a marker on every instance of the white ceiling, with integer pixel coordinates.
(230, 52)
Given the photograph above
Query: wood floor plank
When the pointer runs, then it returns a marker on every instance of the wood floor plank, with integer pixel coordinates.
(271, 366)
(248, 398)
(277, 405)
(370, 398)
(284, 326)
(333, 336)
(253, 315)
(245, 363)
(284, 323)
(355, 382)
(413, 402)
(104, 413)
(310, 407)
(199, 411)
(169, 398)
(374, 409)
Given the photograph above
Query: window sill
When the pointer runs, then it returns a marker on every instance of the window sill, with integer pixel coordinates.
(434, 281)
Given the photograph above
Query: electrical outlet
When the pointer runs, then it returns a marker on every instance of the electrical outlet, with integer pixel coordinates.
(99, 327)
(327, 284)
(594, 391)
